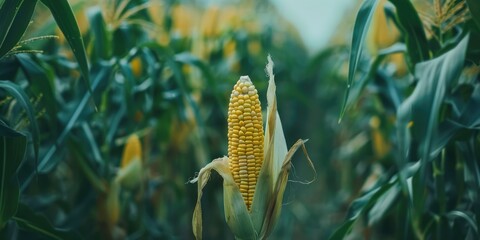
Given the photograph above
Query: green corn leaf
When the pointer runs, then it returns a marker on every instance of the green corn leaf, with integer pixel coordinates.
(358, 208)
(418, 116)
(460, 215)
(13, 147)
(469, 119)
(41, 80)
(63, 14)
(360, 29)
(357, 89)
(413, 32)
(22, 98)
(8, 11)
(46, 164)
(474, 7)
(101, 37)
(29, 220)
(422, 107)
(20, 21)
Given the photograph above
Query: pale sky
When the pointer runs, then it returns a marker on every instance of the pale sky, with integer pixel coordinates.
(316, 20)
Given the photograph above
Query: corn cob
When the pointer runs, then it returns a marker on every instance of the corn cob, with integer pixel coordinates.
(245, 137)
(250, 218)
(132, 151)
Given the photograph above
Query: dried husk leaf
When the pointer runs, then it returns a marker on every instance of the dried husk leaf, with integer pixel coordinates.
(273, 177)
(275, 203)
(267, 176)
(236, 213)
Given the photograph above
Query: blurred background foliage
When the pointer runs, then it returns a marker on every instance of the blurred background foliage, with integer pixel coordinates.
(109, 148)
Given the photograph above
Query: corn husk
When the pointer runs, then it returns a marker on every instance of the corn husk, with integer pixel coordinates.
(267, 202)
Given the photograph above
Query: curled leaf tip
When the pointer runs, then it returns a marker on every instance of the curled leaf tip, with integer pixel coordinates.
(193, 179)
(269, 67)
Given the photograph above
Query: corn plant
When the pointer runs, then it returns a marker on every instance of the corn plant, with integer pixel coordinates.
(428, 183)
(254, 179)
(14, 20)
(115, 105)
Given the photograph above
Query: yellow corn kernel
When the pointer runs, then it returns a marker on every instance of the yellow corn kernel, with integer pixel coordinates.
(245, 137)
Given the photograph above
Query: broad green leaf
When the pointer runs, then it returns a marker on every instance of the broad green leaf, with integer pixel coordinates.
(368, 202)
(21, 21)
(13, 147)
(474, 7)
(102, 46)
(469, 155)
(362, 83)
(63, 14)
(81, 156)
(45, 164)
(413, 32)
(41, 80)
(360, 29)
(468, 119)
(29, 220)
(128, 86)
(48, 162)
(358, 207)
(470, 116)
(418, 116)
(22, 98)
(8, 11)
(421, 109)
(472, 223)
(383, 205)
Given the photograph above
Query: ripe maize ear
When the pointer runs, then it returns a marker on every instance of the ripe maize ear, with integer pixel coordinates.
(132, 151)
(245, 137)
(251, 209)
(130, 172)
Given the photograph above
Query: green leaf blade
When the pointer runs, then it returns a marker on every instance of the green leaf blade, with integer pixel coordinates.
(8, 11)
(63, 15)
(24, 101)
(474, 7)
(41, 80)
(422, 107)
(13, 147)
(360, 29)
(358, 207)
(29, 220)
(413, 32)
(21, 21)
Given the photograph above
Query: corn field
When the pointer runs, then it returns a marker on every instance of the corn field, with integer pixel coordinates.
(185, 119)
